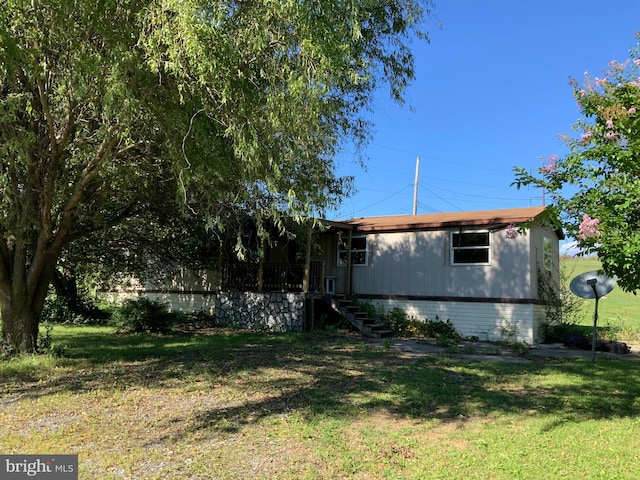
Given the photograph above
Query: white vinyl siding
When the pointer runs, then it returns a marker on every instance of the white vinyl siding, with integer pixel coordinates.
(487, 321)
(419, 263)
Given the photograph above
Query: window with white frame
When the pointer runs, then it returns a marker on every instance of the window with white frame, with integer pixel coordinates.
(547, 253)
(359, 256)
(471, 247)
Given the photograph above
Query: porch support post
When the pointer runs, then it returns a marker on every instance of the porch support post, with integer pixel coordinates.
(219, 272)
(307, 262)
(349, 265)
(261, 265)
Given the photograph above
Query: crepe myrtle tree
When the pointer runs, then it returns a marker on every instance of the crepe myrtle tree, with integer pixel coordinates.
(240, 103)
(596, 186)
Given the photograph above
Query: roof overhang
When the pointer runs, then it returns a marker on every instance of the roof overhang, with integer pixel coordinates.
(436, 221)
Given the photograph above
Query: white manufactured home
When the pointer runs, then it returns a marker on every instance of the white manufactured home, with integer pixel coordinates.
(480, 270)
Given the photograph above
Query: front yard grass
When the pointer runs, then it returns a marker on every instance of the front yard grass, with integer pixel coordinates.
(234, 405)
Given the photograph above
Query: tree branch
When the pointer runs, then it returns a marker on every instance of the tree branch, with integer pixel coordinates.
(111, 222)
(88, 173)
(46, 110)
(67, 134)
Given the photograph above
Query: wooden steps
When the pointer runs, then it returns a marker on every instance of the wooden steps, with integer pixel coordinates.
(370, 327)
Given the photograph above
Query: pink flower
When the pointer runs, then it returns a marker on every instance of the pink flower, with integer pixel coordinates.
(585, 138)
(600, 81)
(611, 135)
(589, 228)
(637, 62)
(512, 231)
(632, 110)
(550, 165)
(610, 124)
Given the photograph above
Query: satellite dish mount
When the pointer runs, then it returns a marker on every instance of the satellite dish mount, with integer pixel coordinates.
(592, 285)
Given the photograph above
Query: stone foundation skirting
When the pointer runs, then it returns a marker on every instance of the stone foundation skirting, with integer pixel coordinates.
(273, 311)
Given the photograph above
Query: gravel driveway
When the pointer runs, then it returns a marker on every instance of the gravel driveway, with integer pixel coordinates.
(488, 351)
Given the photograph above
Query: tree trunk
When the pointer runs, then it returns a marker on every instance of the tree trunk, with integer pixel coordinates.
(22, 304)
(20, 329)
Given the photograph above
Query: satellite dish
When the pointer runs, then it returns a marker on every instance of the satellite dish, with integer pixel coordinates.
(583, 285)
(592, 285)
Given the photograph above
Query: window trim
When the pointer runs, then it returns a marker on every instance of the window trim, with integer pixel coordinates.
(453, 248)
(353, 250)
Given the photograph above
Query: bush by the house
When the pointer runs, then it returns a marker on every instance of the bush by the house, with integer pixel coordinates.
(561, 307)
(407, 326)
(143, 316)
(404, 325)
(83, 310)
(442, 331)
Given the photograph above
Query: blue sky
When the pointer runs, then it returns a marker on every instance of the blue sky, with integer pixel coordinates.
(491, 93)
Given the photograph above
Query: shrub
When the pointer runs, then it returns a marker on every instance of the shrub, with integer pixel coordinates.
(441, 330)
(560, 305)
(143, 316)
(58, 309)
(46, 345)
(407, 326)
(399, 322)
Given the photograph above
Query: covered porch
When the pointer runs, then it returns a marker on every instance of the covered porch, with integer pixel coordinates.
(273, 277)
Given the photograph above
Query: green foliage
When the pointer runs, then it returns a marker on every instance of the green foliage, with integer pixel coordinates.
(406, 326)
(143, 316)
(561, 306)
(442, 331)
(113, 112)
(596, 187)
(7, 350)
(84, 310)
(401, 323)
(47, 346)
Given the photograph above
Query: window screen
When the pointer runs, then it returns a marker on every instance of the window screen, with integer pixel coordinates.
(358, 251)
(470, 247)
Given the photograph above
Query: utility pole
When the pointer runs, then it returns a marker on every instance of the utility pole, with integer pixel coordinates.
(415, 187)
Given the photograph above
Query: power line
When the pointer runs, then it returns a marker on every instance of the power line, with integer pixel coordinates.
(443, 199)
(381, 201)
(436, 158)
(477, 196)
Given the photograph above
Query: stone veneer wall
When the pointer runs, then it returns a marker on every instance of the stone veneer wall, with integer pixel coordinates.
(278, 312)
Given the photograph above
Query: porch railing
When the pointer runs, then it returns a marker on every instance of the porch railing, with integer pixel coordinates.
(276, 277)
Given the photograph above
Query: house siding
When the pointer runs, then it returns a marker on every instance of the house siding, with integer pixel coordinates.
(418, 263)
(176, 302)
(412, 270)
(488, 321)
(537, 255)
(188, 291)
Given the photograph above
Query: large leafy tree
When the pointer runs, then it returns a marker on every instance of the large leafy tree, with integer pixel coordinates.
(241, 103)
(596, 187)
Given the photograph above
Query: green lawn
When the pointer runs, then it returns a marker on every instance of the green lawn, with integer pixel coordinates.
(620, 310)
(233, 405)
